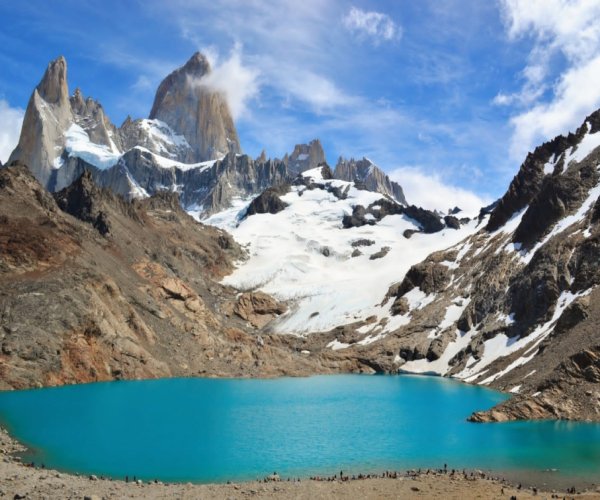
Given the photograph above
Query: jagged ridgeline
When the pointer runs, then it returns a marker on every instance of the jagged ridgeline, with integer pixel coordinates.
(515, 305)
(189, 144)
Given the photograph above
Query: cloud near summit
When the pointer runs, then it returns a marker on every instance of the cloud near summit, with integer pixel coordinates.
(237, 82)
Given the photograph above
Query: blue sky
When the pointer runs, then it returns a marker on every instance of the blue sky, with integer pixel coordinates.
(445, 95)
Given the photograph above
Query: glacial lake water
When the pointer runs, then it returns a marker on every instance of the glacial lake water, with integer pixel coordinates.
(214, 430)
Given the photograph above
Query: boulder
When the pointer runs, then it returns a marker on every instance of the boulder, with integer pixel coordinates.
(363, 242)
(380, 254)
(269, 201)
(574, 314)
(452, 222)
(258, 308)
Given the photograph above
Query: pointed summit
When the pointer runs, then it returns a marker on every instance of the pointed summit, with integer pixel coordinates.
(197, 111)
(368, 175)
(197, 65)
(306, 157)
(53, 86)
(47, 116)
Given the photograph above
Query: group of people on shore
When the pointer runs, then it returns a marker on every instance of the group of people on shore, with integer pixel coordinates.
(386, 475)
(414, 473)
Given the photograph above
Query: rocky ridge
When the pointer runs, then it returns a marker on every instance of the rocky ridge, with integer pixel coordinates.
(188, 145)
(364, 172)
(94, 287)
(514, 306)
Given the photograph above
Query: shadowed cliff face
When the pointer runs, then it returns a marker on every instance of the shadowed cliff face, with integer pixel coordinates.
(201, 114)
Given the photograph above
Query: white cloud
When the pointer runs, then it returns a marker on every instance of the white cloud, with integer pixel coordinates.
(318, 91)
(577, 94)
(432, 192)
(238, 83)
(563, 29)
(11, 120)
(377, 26)
(142, 84)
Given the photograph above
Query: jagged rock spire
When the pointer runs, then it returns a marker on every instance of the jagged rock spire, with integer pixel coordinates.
(306, 156)
(197, 111)
(47, 116)
(370, 176)
(53, 87)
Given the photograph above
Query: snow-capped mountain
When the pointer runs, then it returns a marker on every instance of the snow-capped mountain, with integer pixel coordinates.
(188, 145)
(189, 129)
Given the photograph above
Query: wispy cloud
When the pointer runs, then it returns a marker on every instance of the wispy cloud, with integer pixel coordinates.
(555, 94)
(143, 84)
(236, 81)
(11, 120)
(375, 26)
(435, 193)
(312, 89)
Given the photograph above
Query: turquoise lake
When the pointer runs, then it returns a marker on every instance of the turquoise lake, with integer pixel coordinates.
(213, 430)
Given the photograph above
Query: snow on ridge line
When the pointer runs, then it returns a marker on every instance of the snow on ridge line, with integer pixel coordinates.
(563, 224)
(163, 162)
(158, 129)
(584, 148)
(315, 174)
(78, 144)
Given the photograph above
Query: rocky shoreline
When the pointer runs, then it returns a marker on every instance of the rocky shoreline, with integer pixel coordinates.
(26, 481)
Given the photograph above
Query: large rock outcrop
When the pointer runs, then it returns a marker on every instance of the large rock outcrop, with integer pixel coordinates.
(47, 116)
(186, 103)
(89, 115)
(369, 176)
(306, 157)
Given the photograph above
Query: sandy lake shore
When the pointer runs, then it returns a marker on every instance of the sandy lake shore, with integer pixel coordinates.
(18, 481)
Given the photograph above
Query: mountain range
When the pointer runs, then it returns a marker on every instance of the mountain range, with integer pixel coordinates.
(159, 249)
